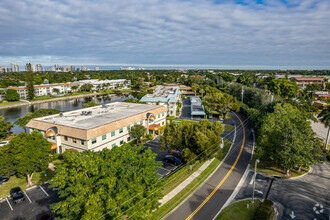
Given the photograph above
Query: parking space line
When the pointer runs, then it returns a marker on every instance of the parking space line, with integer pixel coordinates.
(164, 168)
(9, 205)
(43, 190)
(27, 196)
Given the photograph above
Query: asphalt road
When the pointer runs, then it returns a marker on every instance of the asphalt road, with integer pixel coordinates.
(308, 197)
(208, 199)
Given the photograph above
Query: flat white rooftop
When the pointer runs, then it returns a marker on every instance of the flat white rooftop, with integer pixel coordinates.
(96, 116)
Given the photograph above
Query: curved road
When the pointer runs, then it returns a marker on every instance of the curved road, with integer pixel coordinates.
(209, 198)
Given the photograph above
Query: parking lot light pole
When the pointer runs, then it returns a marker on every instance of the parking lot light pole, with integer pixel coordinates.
(254, 179)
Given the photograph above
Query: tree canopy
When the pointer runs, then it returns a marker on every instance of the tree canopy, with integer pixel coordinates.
(30, 82)
(107, 184)
(286, 139)
(4, 127)
(283, 87)
(12, 95)
(25, 154)
(198, 140)
(220, 103)
(39, 113)
(137, 131)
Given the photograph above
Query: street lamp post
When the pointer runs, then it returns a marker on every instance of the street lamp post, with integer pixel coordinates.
(254, 179)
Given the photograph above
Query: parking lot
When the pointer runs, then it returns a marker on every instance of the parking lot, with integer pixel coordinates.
(166, 168)
(36, 204)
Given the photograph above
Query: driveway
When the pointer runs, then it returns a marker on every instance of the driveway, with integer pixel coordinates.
(306, 197)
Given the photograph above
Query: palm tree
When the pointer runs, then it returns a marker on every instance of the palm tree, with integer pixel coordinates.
(325, 118)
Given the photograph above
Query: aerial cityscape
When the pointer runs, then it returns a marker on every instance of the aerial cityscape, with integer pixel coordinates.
(204, 110)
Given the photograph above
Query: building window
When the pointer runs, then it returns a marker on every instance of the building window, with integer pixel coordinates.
(163, 114)
(128, 127)
(141, 122)
(128, 139)
(113, 145)
(74, 140)
(52, 138)
(113, 133)
(150, 121)
(94, 141)
(121, 130)
(158, 115)
(135, 124)
(82, 142)
(65, 138)
(104, 137)
(121, 142)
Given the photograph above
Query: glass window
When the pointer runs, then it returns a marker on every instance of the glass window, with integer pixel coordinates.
(113, 133)
(121, 142)
(74, 140)
(65, 138)
(113, 145)
(82, 142)
(121, 130)
(104, 137)
(150, 121)
(163, 114)
(128, 139)
(135, 124)
(141, 122)
(128, 127)
(93, 140)
(158, 115)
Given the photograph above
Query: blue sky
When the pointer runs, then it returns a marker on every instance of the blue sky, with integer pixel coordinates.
(207, 32)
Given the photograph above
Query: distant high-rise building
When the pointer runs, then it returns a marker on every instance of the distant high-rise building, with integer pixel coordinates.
(50, 68)
(9, 70)
(97, 68)
(14, 67)
(83, 68)
(39, 68)
(127, 68)
(73, 68)
(2, 69)
(57, 68)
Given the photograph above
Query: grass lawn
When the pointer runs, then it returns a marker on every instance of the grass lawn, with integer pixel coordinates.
(239, 210)
(38, 178)
(176, 200)
(11, 103)
(278, 171)
(228, 116)
(172, 118)
(229, 127)
(44, 97)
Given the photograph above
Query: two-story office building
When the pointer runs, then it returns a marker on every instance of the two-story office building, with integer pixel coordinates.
(98, 127)
(167, 96)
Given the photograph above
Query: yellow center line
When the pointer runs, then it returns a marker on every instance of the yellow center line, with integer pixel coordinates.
(224, 179)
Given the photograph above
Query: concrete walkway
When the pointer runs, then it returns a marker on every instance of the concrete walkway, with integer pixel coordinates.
(185, 183)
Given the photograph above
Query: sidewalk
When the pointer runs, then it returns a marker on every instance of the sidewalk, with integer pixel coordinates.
(185, 183)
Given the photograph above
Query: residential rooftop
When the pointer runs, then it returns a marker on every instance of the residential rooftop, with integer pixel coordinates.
(89, 118)
(163, 94)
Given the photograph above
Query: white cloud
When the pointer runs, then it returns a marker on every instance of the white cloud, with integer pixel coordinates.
(171, 31)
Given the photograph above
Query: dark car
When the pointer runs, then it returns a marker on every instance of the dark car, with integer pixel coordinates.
(177, 154)
(172, 159)
(17, 195)
(2, 180)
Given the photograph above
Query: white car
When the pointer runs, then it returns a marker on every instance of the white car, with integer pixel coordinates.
(3, 143)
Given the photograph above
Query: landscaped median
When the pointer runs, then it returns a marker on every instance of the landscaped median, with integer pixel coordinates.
(246, 210)
(184, 193)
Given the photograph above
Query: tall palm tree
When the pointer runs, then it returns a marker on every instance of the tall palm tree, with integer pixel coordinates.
(325, 118)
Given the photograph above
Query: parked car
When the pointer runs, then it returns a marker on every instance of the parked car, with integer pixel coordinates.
(17, 195)
(3, 143)
(172, 159)
(177, 154)
(3, 179)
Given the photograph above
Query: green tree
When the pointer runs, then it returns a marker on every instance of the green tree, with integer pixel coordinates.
(325, 118)
(137, 131)
(30, 82)
(108, 184)
(4, 127)
(86, 87)
(56, 90)
(220, 103)
(89, 104)
(12, 95)
(283, 87)
(39, 113)
(313, 87)
(28, 153)
(74, 88)
(287, 140)
(199, 140)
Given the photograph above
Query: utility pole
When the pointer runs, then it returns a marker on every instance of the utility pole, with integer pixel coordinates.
(327, 140)
(254, 178)
(243, 94)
